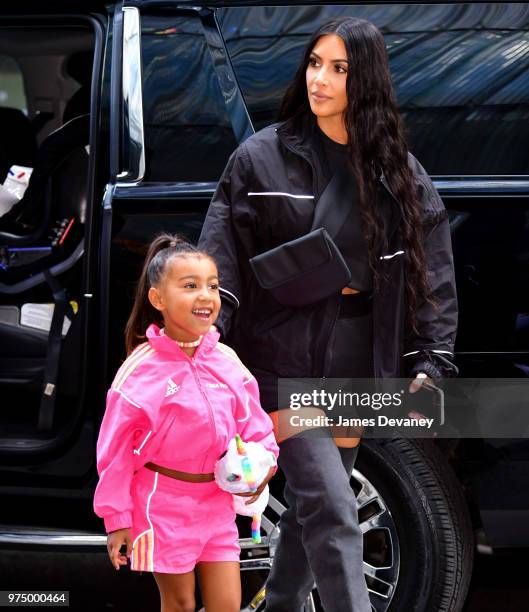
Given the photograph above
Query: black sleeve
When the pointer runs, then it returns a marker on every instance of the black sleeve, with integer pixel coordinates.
(432, 349)
(222, 239)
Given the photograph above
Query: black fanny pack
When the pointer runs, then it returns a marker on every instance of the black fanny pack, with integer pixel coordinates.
(310, 268)
(302, 271)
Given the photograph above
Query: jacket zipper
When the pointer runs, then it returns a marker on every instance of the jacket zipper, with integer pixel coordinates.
(388, 190)
(328, 355)
(213, 428)
(324, 365)
(137, 451)
(386, 186)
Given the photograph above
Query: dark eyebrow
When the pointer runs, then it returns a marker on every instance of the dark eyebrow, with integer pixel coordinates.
(333, 61)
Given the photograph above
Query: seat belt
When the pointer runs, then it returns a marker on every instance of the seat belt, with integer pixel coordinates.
(335, 203)
(53, 353)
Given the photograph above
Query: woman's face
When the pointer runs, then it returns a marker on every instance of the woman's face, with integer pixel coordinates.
(327, 77)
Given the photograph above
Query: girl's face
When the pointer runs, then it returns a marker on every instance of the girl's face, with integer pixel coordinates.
(326, 77)
(188, 297)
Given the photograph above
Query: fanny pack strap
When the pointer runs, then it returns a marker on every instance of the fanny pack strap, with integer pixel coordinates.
(335, 203)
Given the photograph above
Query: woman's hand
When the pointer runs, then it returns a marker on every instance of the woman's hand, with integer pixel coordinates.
(415, 385)
(115, 540)
(418, 381)
(255, 494)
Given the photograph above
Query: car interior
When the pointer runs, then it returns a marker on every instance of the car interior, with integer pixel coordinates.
(44, 135)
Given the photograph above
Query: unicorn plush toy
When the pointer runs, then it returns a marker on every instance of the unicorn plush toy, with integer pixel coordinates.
(240, 470)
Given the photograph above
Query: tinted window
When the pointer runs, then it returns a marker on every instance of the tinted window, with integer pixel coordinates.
(11, 84)
(461, 73)
(188, 135)
(490, 240)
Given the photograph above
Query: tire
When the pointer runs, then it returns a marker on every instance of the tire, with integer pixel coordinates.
(433, 556)
(418, 538)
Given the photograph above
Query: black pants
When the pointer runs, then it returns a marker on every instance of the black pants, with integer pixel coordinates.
(320, 540)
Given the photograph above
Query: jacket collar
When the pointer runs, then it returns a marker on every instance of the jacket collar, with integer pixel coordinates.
(299, 134)
(164, 344)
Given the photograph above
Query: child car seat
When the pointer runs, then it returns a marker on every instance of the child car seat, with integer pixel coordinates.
(18, 144)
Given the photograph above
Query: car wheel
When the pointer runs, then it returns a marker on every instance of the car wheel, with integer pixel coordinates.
(418, 538)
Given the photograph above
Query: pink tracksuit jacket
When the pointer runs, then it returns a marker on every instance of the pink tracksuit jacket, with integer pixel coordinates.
(202, 401)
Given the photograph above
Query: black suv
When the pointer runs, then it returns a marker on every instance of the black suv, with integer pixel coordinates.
(126, 112)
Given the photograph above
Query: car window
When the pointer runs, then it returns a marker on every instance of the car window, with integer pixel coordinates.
(12, 92)
(461, 73)
(490, 238)
(188, 134)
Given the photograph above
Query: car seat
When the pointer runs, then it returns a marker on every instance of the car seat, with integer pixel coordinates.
(18, 144)
(29, 220)
(57, 191)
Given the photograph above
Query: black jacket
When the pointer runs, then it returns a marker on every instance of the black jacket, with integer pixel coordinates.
(266, 196)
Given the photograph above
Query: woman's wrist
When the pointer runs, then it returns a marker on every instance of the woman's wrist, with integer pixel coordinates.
(433, 363)
(429, 368)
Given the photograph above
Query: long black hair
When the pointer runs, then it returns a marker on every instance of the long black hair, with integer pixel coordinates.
(161, 250)
(376, 143)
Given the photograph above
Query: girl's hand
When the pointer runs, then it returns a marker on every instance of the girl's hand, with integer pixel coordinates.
(114, 542)
(254, 495)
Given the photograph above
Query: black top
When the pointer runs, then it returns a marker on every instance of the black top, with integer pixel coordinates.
(335, 154)
(350, 239)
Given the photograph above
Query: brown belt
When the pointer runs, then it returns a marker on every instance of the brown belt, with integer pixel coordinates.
(186, 476)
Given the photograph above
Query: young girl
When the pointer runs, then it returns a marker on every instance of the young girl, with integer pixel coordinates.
(172, 409)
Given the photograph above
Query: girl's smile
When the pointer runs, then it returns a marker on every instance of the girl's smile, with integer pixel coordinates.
(203, 313)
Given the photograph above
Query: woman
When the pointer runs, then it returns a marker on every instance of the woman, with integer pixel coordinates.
(397, 317)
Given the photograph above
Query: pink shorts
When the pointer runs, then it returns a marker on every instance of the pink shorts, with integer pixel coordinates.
(176, 524)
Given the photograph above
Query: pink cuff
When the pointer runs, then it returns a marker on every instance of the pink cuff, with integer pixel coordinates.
(120, 520)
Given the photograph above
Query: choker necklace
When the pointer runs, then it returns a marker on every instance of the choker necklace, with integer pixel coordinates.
(193, 344)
